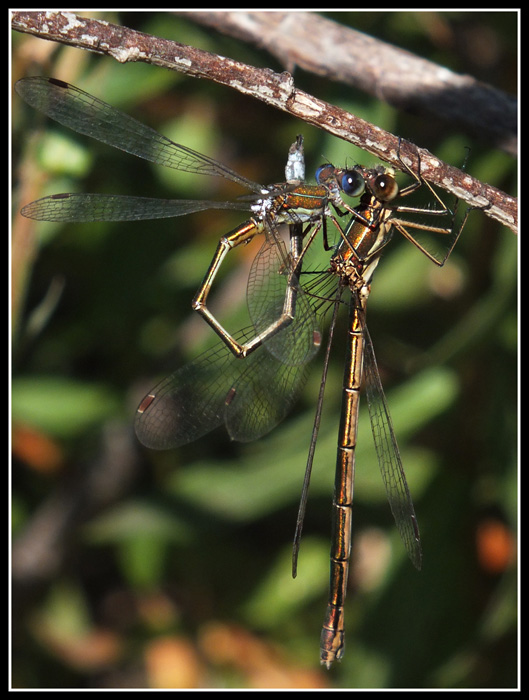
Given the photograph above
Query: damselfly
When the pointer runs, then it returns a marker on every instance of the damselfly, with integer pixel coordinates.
(250, 379)
(352, 267)
(292, 203)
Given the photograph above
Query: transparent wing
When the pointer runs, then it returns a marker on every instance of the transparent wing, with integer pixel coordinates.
(262, 396)
(100, 207)
(87, 115)
(271, 283)
(250, 396)
(393, 476)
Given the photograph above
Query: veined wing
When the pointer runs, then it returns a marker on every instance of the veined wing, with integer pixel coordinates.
(249, 396)
(90, 116)
(85, 207)
(393, 476)
(273, 289)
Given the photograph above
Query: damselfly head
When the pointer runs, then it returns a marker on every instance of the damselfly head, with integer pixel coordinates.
(381, 182)
(350, 181)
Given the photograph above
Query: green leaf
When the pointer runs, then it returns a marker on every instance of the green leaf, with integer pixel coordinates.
(59, 406)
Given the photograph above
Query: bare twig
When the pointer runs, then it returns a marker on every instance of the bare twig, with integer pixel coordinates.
(277, 90)
(389, 73)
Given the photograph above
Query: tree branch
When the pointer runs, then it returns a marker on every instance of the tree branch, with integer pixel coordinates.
(323, 47)
(275, 89)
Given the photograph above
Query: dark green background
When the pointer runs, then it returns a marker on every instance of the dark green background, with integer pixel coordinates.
(207, 529)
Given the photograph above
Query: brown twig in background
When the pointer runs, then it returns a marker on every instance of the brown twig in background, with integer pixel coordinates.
(408, 82)
(277, 90)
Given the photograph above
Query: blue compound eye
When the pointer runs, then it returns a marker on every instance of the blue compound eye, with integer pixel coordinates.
(324, 172)
(352, 183)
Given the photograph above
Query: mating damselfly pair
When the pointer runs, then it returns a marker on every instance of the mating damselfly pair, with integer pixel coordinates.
(250, 379)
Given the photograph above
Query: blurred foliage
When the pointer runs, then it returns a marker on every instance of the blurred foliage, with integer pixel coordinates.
(141, 569)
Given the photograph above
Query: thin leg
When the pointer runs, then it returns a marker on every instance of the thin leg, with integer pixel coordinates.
(244, 234)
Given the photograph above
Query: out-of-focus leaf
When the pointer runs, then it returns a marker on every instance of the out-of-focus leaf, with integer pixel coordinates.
(59, 406)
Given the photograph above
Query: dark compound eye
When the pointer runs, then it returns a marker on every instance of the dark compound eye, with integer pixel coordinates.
(385, 187)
